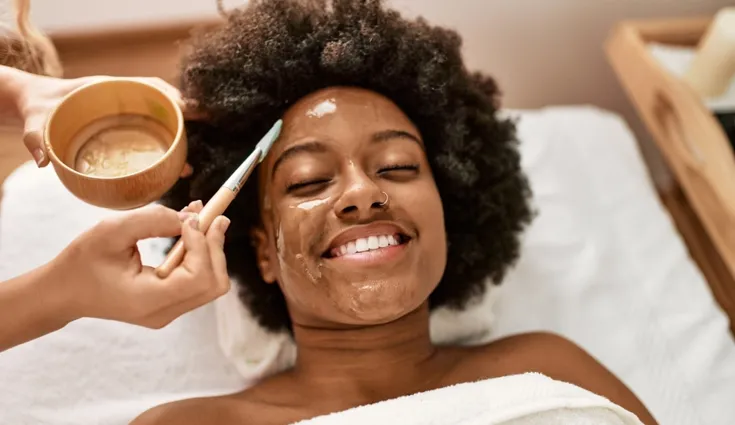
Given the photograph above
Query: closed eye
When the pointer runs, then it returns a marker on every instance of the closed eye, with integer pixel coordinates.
(306, 185)
(398, 168)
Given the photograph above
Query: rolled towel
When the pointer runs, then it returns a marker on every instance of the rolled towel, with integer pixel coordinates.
(528, 399)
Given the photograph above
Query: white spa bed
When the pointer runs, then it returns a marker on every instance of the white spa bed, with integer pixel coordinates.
(602, 265)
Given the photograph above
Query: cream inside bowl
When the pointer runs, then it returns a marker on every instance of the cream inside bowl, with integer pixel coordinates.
(118, 145)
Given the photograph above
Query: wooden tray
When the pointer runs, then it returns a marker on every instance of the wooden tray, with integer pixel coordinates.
(687, 134)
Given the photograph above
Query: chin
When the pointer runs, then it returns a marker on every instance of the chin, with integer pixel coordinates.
(375, 316)
(378, 303)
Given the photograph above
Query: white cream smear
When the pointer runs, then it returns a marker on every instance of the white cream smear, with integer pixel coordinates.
(122, 149)
(324, 108)
(279, 244)
(311, 204)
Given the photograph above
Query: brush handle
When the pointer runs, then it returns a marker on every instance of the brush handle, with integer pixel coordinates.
(215, 207)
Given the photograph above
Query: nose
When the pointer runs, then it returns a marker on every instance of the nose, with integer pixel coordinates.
(361, 198)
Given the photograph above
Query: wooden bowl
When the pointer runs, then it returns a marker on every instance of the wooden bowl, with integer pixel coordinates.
(118, 143)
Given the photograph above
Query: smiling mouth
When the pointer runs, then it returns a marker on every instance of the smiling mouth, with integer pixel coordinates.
(375, 244)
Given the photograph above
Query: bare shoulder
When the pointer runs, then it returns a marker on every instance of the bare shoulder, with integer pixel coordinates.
(268, 402)
(209, 410)
(563, 360)
(547, 353)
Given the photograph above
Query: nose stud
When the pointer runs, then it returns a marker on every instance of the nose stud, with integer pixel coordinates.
(384, 203)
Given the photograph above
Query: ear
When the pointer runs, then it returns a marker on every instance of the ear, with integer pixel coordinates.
(266, 264)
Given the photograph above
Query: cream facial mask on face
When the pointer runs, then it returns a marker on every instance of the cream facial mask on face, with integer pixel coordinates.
(305, 228)
(311, 204)
(119, 145)
(327, 107)
(295, 257)
(356, 294)
(293, 254)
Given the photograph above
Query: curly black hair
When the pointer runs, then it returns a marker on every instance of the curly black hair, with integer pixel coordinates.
(245, 73)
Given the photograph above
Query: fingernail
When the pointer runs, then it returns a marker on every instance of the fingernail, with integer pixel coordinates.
(38, 156)
(225, 224)
(197, 204)
(194, 221)
(184, 215)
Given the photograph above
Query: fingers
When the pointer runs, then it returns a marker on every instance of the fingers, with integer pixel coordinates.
(154, 221)
(194, 207)
(33, 141)
(199, 280)
(42, 96)
(189, 107)
(216, 242)
(186, 171)
(173, 312)
(195, 244)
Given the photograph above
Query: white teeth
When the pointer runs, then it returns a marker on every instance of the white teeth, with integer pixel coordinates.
(365, 244)
(362, 245)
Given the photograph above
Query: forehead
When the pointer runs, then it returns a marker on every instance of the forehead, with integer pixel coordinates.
(340, 117)
(339, 112)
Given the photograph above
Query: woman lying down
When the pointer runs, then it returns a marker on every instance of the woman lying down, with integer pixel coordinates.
(394, 188)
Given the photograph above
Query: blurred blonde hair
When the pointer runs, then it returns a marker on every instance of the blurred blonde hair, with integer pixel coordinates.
(26, 47)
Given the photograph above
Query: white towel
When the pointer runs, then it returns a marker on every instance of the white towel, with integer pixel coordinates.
(529, 399)
(676, 60)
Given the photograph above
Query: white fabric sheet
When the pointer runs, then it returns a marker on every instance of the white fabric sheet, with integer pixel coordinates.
(602, 264)
(528, 399)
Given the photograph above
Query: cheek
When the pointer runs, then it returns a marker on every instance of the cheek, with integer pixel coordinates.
(296, 229)
(430, 212)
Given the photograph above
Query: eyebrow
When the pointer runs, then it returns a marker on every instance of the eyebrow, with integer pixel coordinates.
(319, 147)
(382, 136)
(308, 147)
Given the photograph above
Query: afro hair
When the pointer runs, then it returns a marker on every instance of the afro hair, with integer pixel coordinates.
(245, 73)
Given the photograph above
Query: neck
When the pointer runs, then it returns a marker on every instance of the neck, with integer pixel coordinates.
(368, 364)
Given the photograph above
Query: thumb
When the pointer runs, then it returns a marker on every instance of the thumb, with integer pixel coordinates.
(33, 140)
(154, 221)
(190, 110)
(189, 107)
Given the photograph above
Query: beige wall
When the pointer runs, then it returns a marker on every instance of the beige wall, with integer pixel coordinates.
(542, 51)
(549, 52)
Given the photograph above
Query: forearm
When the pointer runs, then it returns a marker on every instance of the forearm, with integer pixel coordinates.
(31, 305)
(11, 85)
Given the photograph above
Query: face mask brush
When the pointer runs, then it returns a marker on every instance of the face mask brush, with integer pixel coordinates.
(223, 198)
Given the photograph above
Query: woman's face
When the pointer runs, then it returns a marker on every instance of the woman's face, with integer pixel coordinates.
(340, 253)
